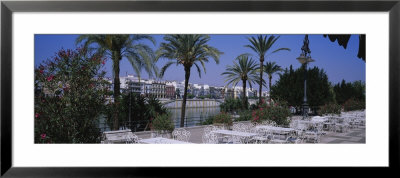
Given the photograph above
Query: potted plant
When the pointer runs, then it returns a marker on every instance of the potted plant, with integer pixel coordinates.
(163, 124)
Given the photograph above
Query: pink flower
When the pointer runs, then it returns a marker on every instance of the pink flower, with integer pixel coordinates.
(41, 71)
(43, 136)
(65, 88)
(50, 78)
(103, 62)
(36, 115)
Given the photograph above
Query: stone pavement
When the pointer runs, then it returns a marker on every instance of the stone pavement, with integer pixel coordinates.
(353, 136)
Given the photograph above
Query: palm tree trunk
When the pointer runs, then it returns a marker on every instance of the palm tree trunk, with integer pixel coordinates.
(261, 75)
(187, 76)
(116, 58)
(270, 79)
(244, 95)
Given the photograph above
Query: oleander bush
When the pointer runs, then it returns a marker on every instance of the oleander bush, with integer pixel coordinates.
(330, 108)
(232, 105)
(223, 118)
(273, 112)
(163, 122)
(69, 92)
(208, 121)
(353, 104)
(244, 116)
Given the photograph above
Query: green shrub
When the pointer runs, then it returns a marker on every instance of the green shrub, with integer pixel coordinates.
(163, 122)
(353, 104)
(223, 118)
(70, 90)
(232, 105)
(244, 116)
(253, 107)
(330, 108)
(279, 114)
(141, 109)
(208, 121)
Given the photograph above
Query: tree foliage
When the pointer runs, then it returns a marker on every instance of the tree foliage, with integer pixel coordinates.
(187, 50)
(233, 105)
(290, 87)
(117, 47)
(244, 70)
(347, 90)
(261, 46)
(137, 109)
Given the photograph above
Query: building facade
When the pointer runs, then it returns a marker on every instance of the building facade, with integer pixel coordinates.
(170, 92)
(157, 89)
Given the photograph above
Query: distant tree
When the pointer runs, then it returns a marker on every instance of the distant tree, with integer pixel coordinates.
(244, 70)
(178, 93)
(270, 69)
(261, 45)
(187, 50)
(347, 90)
(190, 96)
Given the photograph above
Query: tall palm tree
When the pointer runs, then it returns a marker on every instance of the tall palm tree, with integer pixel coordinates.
(271, 68)
(244, 70)
(187, 50)
(117, 47)
(261, 45)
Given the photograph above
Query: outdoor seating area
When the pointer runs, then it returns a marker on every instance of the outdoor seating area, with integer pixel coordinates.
(311, 130)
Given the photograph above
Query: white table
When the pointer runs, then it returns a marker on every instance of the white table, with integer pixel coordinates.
(275, 129)
(117, 136)
(319, 119)
(243, 136)
(310, 123)
(161, 140)
(234, 133)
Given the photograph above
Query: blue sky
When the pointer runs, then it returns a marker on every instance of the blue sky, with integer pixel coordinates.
(338, 63)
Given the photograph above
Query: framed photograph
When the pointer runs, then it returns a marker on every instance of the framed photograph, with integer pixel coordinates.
(36, 37)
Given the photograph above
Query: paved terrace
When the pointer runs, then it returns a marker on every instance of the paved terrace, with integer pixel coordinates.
(353, 136)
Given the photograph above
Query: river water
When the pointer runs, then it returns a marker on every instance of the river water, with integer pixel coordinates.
(194, 115)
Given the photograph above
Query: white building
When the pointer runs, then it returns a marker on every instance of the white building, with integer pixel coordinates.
(265, 93)
(181, 87)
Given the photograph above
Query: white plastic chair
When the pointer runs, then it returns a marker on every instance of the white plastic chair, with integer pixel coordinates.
(210, 138)
(314, 134)
(181, 134)
(131, 138)
(276, 138)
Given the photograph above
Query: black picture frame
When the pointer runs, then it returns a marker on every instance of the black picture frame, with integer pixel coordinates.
(8, 7)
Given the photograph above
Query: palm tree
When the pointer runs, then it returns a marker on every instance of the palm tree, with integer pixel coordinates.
(244, 70)
(343, 40)
(187, 50)
(116, 47)
(271, 68)
(261, 46)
